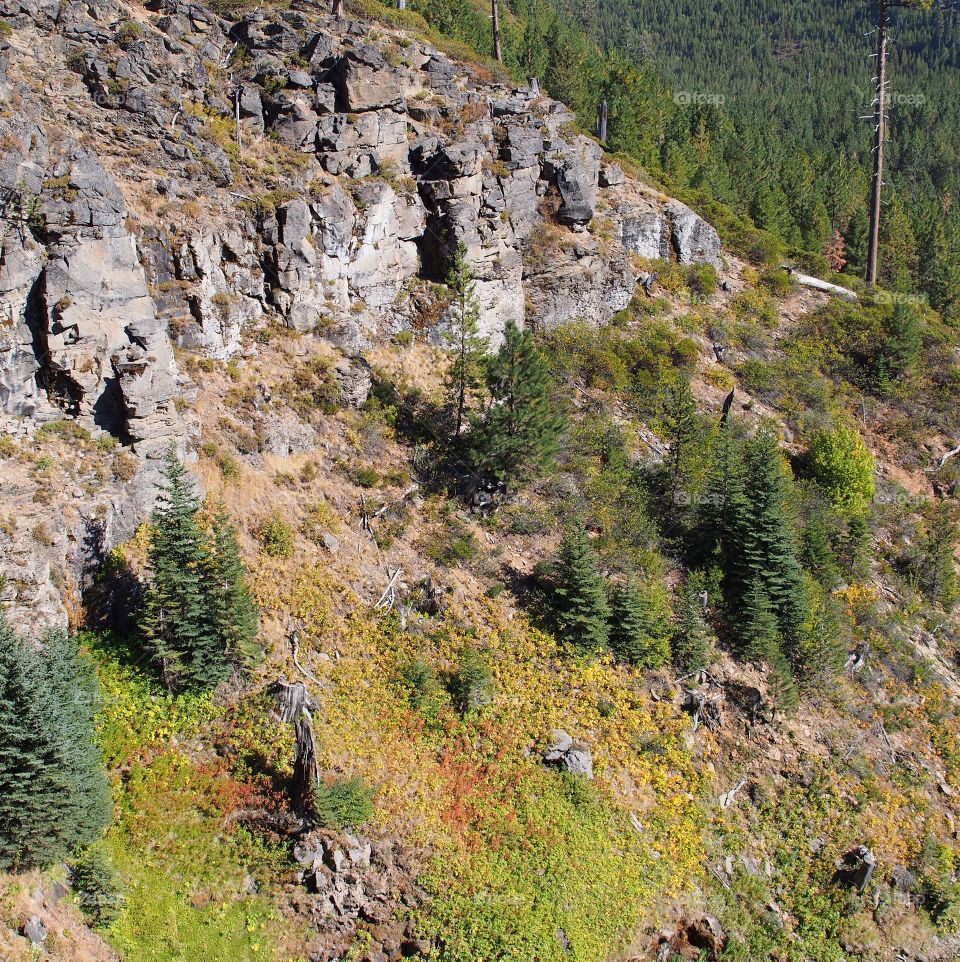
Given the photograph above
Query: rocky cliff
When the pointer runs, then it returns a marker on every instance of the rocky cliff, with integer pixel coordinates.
(174, 180)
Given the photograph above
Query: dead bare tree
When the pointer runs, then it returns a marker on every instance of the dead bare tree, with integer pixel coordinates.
(495, 17)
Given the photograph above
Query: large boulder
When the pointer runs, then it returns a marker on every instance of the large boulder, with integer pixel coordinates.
(367, 83)
(694, 240)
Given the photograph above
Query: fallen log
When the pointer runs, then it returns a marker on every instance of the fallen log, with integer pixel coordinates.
(818, 285)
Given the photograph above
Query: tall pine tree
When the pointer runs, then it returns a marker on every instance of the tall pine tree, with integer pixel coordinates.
(179, 622)
(763, 551)
(54, 794)
(684, 436)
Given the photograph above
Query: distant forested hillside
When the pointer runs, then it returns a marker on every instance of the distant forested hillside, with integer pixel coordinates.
(751, 111)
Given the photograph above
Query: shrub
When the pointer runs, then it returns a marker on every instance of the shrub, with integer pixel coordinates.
(97, 888)
(471, 683)
(124, 466)
(8, 447)
(229, 466)
(755, 306)
(776, 281)
(840, 463)
(343, 803)
(275, 536)
(453, 545)
(365, 476)
(702, 280)
(66, 429)
(128, 33)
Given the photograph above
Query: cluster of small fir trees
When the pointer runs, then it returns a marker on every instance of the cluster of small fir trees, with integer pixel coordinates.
(503, 418)
(54, 793)
(199, 620)
(632, 619)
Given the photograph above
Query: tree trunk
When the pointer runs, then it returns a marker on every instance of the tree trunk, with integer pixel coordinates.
(337, 8)
(291, 700)
(879, 134)
(602, 122)
(304, 769)
(497, 49)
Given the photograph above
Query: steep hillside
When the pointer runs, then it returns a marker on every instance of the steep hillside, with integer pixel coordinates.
(666, 667)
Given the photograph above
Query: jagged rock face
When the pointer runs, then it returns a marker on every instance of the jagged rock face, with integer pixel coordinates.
(83, 328)
(388, 156)
(406, 157)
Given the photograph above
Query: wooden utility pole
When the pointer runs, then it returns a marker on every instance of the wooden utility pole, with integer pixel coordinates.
(495, 16)
(880, 112)
(879, 134)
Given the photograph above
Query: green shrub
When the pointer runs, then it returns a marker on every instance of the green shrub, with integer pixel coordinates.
(839, 462)
(8, 447)
(343, 803)
(128, 33)
(471, 683)
(276, 537)
(66, 428)
(97, 888)
(229, 466)
(755, 306)
(365, 476)
(454, 545)
(776, 281)
(702, 280)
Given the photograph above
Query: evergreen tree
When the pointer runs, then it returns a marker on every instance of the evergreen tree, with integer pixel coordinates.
(899, 258)
(640, 627)
(691, 640)
(580, 604)
(937, 569)
(757, 629)
(464, 375)
(821, 650)
(472, 682)
(54, 794)
(521, 433)
(763, 551)
(176, 623)
(943, 276)
(818, 554)
(855, 556)
(684, 436)
(900, 348)
(782, 684)
(231, 610)
(722, 497)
